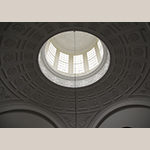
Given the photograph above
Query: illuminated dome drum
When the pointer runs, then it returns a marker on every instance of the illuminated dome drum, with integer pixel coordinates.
(74, 59)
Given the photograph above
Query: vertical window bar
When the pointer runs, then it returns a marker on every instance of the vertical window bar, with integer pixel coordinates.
(56, 59)
(98, 53)
(85, 61)
(71, 64)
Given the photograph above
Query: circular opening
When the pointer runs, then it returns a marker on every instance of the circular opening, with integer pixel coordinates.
(74, 59)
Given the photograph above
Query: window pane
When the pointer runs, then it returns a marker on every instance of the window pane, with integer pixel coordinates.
(63, 62)
(100, 47)
(64, 57)
(52, 49)
(91, 53)
(78, 59)
(50, 54)
(93, 62)
(50, 58)
(99, 44)
(78, 68)
(62, 66)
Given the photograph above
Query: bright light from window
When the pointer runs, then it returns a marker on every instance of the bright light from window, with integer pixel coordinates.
(52, 49)
(50, 54)
(63, 57)
(92, 59)
(63, 62)
(78, 66)
(91, 53)
(100, 47)
(80, 60)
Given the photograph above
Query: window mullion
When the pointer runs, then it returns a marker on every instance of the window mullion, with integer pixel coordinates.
(71, 64)
(97, 53)
(85, 61)
(56, 59)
